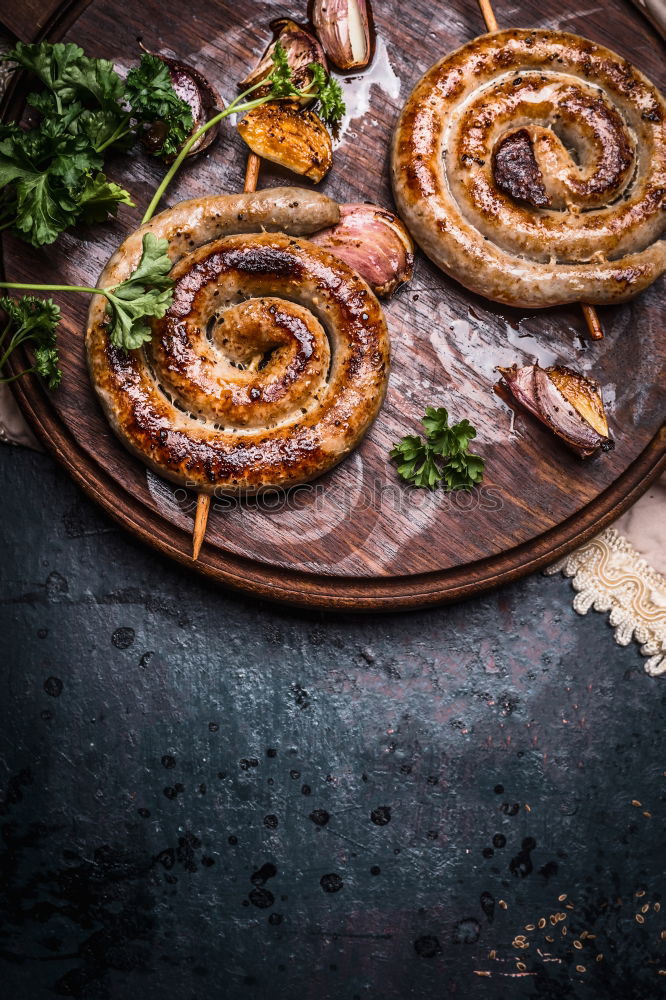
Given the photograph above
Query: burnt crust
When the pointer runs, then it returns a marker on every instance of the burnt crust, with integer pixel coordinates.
(516, 171)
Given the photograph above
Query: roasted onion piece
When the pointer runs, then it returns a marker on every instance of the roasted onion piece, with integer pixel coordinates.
(568, 403)
(195, 90)
(343, 27)
(374, 242)
(286, 134)
(302, 49)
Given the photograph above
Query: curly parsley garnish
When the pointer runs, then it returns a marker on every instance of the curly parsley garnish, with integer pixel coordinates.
(443, 457)
(31, 321)
(329, 95)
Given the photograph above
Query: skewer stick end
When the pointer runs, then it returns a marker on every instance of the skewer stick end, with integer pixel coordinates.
(200, 522)
(593, 322)
(252, 172)
(488, 15)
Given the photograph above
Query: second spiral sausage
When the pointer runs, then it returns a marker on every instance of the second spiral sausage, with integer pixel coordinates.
(486, 183)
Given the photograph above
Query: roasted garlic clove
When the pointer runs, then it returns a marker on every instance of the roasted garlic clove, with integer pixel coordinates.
(568, 403)
(284, 133)
(302, 49)
(195, 90)
(374, 242)
(343, 27)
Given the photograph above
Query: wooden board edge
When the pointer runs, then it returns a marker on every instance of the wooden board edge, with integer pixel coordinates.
(345, 594)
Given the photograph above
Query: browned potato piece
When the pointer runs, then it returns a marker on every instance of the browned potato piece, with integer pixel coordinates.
(297, 139)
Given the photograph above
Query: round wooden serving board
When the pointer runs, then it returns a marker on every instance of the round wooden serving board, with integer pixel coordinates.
(358, 538)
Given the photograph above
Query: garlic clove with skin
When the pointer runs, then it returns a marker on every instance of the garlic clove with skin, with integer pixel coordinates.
(343, 28)
(568, 403)
(374, 242)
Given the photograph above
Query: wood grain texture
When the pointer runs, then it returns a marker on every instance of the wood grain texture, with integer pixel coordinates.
(357, 538)
(33, 19)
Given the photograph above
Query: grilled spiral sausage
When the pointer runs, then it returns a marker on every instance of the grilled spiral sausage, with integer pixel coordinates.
(272, 360)
(486, 183)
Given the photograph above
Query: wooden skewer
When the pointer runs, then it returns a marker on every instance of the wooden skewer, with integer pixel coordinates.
(592, 319)
(200, 522)
(589, 312)
(203, 499)
(488, 15)
(252, 172)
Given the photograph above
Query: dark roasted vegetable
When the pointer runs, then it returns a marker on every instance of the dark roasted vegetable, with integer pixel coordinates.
(302, 51)
(192, 88)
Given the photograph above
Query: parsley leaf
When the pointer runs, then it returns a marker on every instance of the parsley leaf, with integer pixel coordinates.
(416, 462)
(149, 92)
(146, 293)
(280, 77)
(47, 362)
(463, 471)
(329, 94)
(31, 320)
(100, 197)
(442, 457)
(50, 176)
(69, 74)
(323, 87)
(446, 440)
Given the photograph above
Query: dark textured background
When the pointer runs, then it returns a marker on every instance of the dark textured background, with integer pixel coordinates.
(206, 797)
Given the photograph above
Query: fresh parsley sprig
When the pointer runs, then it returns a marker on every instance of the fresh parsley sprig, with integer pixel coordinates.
(51, 175)
(146, 293)
(35, 321)
(324, 88)
(443, 457)
(328, 93)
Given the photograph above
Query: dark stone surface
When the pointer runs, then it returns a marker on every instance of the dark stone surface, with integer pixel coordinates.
(203, 796)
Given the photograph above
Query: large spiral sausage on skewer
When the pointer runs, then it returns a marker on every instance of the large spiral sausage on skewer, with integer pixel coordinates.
(270, 364)
(531, 167)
